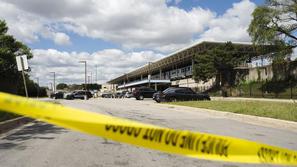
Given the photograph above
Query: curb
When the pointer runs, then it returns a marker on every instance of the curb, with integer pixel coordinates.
(6, 126)
(251, 119)
(216, 98)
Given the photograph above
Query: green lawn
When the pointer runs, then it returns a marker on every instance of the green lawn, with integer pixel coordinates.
(279, 110)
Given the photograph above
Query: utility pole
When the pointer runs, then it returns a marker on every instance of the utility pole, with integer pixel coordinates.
(51, 86)
(85, 62)
(54, 88)
(91, 77)
(96, 74)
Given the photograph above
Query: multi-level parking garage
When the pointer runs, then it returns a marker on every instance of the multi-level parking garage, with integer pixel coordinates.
(173, 70)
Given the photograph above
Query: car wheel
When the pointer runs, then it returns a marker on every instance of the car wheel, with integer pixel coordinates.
(141, 97)
(173, 99)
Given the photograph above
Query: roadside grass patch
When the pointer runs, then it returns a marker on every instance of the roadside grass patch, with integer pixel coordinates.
(278, 110)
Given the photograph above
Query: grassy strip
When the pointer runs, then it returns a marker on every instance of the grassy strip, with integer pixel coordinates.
(278, 110)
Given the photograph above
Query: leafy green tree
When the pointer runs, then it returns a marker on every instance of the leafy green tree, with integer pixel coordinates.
(9, 49)
(34, 89)
(62, 86)
(275, 23)
(92, 86)
(218, 62)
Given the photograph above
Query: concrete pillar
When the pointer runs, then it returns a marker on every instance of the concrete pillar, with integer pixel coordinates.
(160, 73)
(192, 65)
(156, 87)
(140, 77)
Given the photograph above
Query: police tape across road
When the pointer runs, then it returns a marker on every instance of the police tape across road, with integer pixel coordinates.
(182, 142)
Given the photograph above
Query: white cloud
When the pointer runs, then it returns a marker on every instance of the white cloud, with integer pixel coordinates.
(148, 25)
(130, 23)
(232, 25)
(22, 25)
(114, 62)
(29, 27)
(61, 39)
(141, 23)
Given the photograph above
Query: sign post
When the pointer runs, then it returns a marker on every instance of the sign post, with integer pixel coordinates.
(22, 64)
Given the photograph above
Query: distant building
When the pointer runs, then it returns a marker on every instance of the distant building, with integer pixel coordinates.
(173, 70)
(108, 88)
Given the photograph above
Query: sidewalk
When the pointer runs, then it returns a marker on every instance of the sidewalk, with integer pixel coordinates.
(255, 99)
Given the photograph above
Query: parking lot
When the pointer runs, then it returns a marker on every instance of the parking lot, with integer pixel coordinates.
(68, 148)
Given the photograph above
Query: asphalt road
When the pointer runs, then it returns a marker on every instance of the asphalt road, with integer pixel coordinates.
(40, 144)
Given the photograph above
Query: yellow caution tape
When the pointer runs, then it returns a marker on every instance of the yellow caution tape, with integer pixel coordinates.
(187, 143)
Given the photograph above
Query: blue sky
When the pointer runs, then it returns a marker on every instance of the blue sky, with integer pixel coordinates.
(219, 6)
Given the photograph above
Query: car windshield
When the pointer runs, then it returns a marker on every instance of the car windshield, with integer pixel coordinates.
(167, 90)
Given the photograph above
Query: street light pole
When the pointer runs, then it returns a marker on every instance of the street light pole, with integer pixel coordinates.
(54, 88)
(91, 77)
(85, 62)
(96, 75)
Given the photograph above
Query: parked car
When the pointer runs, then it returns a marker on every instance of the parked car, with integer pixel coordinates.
(143, 92)
(79, 95)
(106, 95)
(179, 94)
(128, 95)
(57, 95)
(120, 94)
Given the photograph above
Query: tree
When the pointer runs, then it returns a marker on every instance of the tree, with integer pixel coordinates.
(9, 49)
(275, 23)
(62, 86)
(218, 62)
(34, 89)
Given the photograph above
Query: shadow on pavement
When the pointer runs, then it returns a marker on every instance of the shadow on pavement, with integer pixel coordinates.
(38, 130)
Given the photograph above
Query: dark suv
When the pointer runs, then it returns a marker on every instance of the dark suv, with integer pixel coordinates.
(143, 92)
(57, 95)
(179, 94)
(79, 95)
